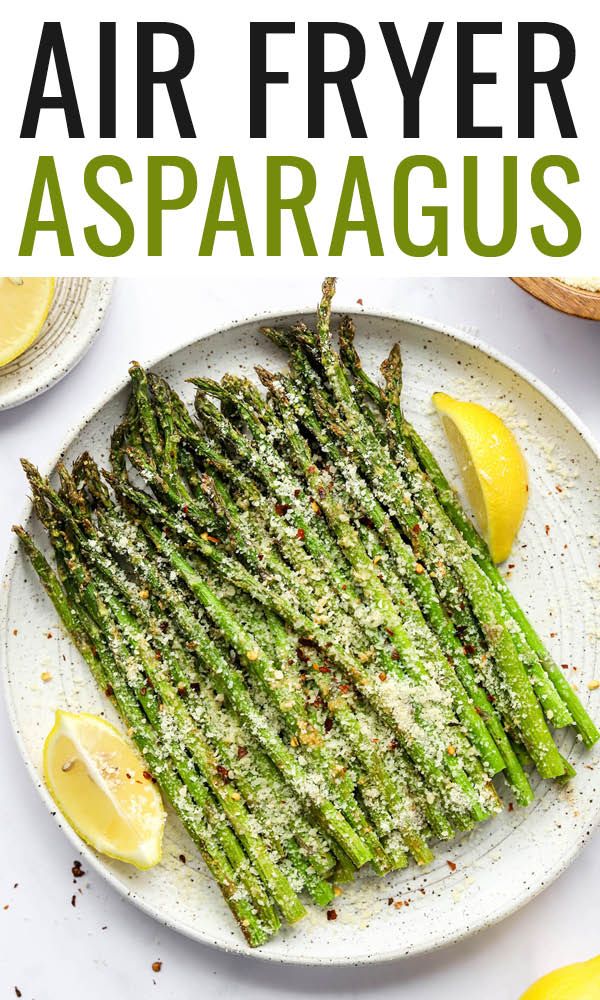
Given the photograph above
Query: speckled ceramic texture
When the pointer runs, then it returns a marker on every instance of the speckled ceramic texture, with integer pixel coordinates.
(502, 864)
(73, 323)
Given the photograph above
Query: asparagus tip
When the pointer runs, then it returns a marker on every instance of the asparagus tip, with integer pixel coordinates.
(266, 377)
(328, 288)
(29, 468)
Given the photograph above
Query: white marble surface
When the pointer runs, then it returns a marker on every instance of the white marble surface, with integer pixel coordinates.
(103, 946)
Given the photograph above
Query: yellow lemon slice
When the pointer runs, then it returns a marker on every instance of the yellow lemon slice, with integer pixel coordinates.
(493, 469)
(24, 306)
(102, 786)
(573, 982)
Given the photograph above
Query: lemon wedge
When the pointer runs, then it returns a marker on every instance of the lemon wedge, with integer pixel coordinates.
(493, 469)
(101, 785)
(24, 306)
(580, 981)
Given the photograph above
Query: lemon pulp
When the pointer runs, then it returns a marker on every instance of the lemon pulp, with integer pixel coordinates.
(24, 306)
(492, 467)
(103, 788)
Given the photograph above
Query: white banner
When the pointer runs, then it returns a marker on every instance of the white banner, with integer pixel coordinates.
(483, 204)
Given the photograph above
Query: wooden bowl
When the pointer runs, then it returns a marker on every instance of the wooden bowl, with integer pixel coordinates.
(555, 293)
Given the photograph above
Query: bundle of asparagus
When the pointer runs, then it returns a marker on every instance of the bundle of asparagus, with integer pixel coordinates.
(301, 628)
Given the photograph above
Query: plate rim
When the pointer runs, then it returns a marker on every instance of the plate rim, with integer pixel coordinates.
(238, 947)
(33, 389)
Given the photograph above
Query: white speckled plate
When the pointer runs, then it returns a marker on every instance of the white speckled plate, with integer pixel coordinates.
(73, 323)
(502, 864)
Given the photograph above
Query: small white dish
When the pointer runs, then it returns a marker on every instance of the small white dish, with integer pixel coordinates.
(74, 321)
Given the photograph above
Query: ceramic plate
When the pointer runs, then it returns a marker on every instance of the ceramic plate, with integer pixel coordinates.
(554, 572)
(73, 323)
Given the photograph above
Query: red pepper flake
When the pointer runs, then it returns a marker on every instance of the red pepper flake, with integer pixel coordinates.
(451, 866)
(344, 688)
(77, 871)
(241, 752)
(416, 529)
(297, 493)
(49, 636)
(553, 635)
(331, 914)
(325, 670)
(156, 966)
(510, 807)
(383, 676)
(390, 631)
(73, 900)
(547, 529)
(328, 724)
(281, 509)
(565, 666)
(395, 654)
(182, 858)
(108, 691)
(15, 632)
(224, 773)
(390, 900)
(185, 509)
(311, 470)
(359, 302)
(559, 489)
(469, 648)
(393, 745)
(511, 565)
(147, 776)
(300, 534)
